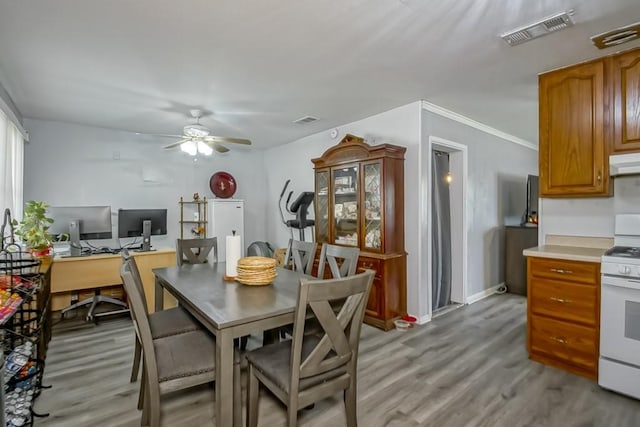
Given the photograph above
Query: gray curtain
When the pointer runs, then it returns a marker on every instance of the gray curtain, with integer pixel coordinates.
(441, 232)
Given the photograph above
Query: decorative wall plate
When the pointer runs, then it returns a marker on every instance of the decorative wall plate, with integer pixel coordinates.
(223, 185)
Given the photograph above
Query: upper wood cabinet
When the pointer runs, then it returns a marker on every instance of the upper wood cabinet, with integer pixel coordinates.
(625, 76)
(587, 111)
(573, 156)
(360, 202)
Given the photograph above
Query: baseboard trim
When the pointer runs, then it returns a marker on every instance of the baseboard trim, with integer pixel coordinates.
(424, 319)
(483, 294)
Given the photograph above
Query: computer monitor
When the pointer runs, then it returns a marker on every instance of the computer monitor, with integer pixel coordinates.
(142, 222)
(80, 223)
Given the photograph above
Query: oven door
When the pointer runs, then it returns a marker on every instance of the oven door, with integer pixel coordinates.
(620, 319)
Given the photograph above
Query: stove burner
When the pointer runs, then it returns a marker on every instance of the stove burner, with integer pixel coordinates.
(623, 251)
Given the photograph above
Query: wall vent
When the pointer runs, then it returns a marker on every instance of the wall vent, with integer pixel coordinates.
(304, 120)
(617, 36)
(538, 29)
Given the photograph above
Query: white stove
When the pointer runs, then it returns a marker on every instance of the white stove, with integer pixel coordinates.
(619, 365)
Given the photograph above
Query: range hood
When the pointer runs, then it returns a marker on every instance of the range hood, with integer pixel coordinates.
(624, 164)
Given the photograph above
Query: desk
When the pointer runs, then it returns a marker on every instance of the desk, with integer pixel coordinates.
(229, 310)
(98, 271)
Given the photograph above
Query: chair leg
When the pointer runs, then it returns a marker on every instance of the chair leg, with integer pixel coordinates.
(237, 396)
(253, 393)
(292, 414)
(292, 409)
(143, 386)
(144, 394)
(137, 353)
(350, 405)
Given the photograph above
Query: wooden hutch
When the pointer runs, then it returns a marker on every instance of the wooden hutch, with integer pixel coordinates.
(359, 202)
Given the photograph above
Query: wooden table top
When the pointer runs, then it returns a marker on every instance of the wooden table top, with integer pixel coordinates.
(228, 304)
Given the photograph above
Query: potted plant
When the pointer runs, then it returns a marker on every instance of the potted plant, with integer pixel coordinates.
(33, 229)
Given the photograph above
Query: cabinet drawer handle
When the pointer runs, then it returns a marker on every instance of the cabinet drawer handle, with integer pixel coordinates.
(559, 340)
(560, 300)
(561, 271)
(599, 177)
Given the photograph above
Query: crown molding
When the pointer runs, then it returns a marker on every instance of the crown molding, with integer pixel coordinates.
(436, 109)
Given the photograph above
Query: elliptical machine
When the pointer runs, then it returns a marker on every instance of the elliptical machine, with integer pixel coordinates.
(299, 208)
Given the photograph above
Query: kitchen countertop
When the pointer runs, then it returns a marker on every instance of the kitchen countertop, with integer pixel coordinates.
(573, 253)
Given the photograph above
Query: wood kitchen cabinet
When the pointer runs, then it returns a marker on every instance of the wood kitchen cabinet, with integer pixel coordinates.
(587, 111)
(573, 155)
(563, 314)
(625, 76)
(359, 201)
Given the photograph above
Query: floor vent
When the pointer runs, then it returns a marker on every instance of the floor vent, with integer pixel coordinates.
(304, 120)
(617, 36)
(538, 29)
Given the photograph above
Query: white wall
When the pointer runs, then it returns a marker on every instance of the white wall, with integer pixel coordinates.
(399, 126)
(590, 216)
(73, 165)
(496, 196)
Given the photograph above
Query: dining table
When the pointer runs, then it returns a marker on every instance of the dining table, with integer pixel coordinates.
(229, 310)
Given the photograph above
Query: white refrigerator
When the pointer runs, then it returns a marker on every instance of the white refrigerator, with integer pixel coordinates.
(225, 215)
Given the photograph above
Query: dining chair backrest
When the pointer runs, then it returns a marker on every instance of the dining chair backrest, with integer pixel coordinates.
(127, 257)
(140, 318)
(338, 346)
(300, 255)
(196, 251)
(342, 261)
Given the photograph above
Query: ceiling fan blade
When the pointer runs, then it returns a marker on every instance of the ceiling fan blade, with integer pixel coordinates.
(219, 148)
(175, 144)
(213, 138)
(163, 135)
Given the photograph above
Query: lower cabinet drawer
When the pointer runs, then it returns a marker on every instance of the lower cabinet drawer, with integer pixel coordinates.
(573, 344)
(564, 300)
(558, 269)
(370, 264)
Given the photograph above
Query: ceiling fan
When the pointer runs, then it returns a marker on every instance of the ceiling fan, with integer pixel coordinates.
(197, 138)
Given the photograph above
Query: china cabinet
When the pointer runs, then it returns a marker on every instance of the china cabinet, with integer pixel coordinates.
(360, 202)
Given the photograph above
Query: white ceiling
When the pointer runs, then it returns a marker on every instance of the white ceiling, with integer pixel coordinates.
(256, 66)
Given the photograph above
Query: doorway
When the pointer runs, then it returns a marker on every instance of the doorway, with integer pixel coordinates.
(447, 239)
(441, 231)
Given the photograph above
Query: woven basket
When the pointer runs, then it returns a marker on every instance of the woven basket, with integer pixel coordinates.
(256, 270)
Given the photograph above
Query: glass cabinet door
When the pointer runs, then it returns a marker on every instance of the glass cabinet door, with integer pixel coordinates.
(345, 205)
(372, 206)
(322, 206)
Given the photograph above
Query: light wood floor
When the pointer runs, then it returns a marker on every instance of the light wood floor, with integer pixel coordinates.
(468, 367)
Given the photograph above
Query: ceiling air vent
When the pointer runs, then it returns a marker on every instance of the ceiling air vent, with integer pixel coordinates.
(538, 29)
(304, 120)
(617, 36)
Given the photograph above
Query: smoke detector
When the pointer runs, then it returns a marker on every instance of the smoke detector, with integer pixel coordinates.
(617, 36)
(537, 29)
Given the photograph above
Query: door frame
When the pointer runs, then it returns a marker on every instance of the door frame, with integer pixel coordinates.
(458, 161)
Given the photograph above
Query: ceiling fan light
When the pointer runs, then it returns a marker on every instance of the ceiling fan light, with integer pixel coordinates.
(204, 149)
(190, 148)
(196, 130)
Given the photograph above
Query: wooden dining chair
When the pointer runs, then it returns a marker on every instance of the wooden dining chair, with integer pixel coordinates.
(196, 251)
(174, 362)
(300, 256)
(309, 368)
(342, 261)
(172, 321)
